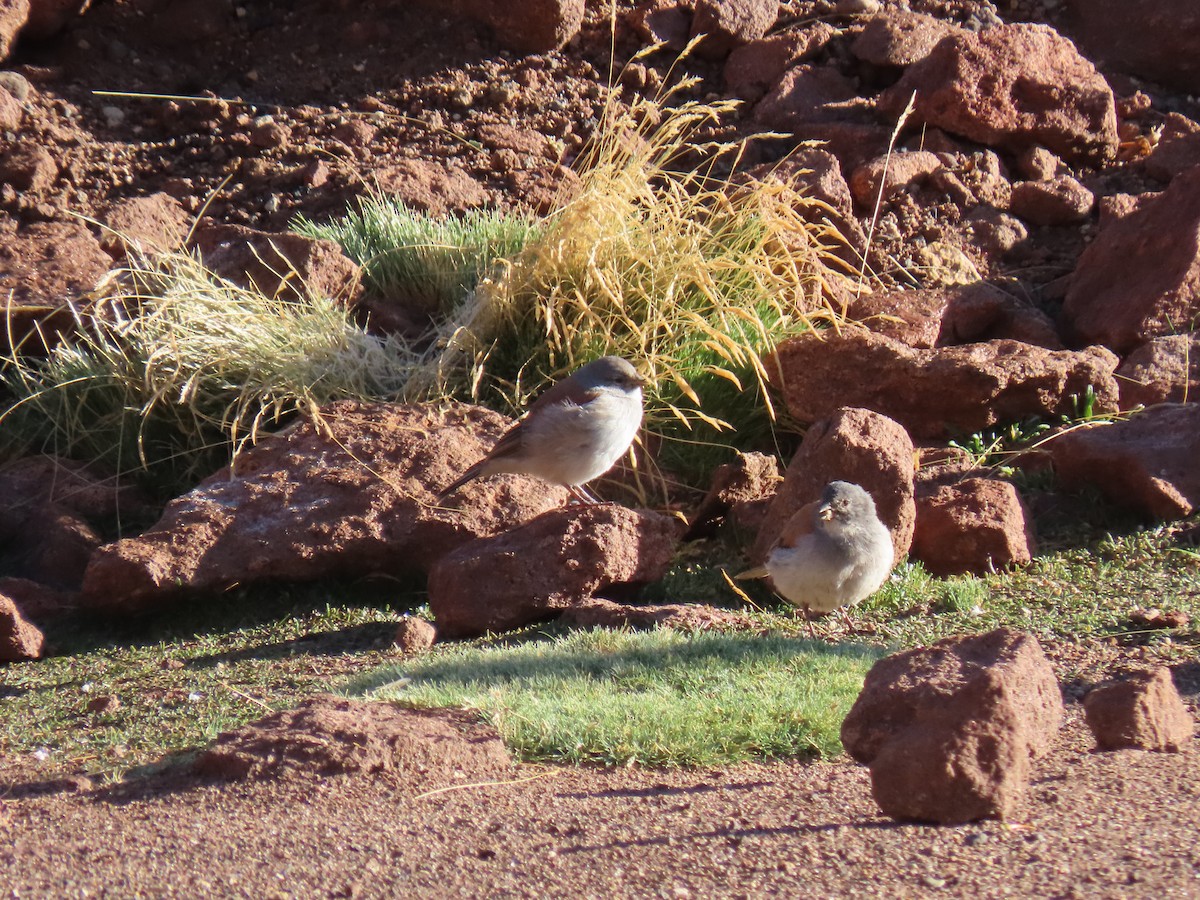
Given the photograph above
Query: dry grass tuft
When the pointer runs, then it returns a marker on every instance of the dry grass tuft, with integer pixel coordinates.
(692, 276)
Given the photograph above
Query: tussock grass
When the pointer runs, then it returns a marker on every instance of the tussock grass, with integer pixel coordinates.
(657, 698)
(426, 264)
(176, 368)
(691, 276)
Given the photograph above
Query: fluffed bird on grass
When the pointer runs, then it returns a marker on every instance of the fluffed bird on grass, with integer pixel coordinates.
(573, 433)
(832, 554)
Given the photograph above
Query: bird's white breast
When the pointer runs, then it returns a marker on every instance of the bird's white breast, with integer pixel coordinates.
(580, 442)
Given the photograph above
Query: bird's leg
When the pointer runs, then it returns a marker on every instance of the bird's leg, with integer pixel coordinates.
(812, 632)
(582, 494)
(845, 611)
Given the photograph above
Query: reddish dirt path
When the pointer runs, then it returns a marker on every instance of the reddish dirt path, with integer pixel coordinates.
(1096, 825)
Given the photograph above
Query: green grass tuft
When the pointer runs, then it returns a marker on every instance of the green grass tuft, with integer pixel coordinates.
(425, 264)
(657, 698)
(181, 368)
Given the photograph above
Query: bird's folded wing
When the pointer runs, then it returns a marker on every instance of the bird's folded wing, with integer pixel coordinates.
(798, 525)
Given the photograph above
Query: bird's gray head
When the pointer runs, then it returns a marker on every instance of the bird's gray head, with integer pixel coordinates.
(609, 372)
(843, 502)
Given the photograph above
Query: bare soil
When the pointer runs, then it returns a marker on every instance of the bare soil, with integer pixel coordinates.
(1119, 824)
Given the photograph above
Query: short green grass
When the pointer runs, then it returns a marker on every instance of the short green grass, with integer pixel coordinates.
(657, 698)
(183, 676)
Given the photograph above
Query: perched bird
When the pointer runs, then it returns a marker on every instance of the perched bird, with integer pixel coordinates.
(574, 432)
(831, 554)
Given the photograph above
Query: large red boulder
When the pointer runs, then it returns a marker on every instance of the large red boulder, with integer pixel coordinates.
(950, 731)
(534, 572)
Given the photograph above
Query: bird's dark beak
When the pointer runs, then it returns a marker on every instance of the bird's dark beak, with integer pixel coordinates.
(825, 512)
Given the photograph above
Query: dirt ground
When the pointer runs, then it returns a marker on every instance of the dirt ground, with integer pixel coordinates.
(1119, 824)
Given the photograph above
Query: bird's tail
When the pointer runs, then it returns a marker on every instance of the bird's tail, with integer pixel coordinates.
(756, 572)
(469, 475)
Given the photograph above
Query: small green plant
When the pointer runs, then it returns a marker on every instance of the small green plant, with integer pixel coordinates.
(426, 264)
(658, 698)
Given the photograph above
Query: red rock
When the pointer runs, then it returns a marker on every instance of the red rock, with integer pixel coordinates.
(1158, 40)
(1146, 462)
(29, 168)
(952, 315)
(11, 111)
(803, 95)
(527, 26)
(414, 635)
(13, 15)
(756, 67)
(36, 601)
(949, 731)
(1038, 164)
(430, 187)
(898, 38)
(535, 571)
(976, 525)
(817, 175)
(1010, 87)
(854, 445)
(155, 223)
(278, 263)
(599, 613)
(43, 268)
(1061, 201)
(849, 135)
(328, 735)
(729, 23)
(740, 493)
(1177, 150)
(1140, 277)
(308, 503)
(910, 317)
(48, 17)
(19, 638)
(47, 263)
(994, 381)
(900, 171)
(994, 233)
(667, 22)
(1143, 711)
(1164, 370)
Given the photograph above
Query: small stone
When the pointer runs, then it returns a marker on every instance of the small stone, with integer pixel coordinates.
(414, 635)
(1143, 711)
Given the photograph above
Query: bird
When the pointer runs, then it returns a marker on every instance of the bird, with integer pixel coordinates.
(573, 433)
(832, 553)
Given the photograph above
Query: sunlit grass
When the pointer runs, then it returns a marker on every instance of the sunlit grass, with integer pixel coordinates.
(421, 263)
(657, 698)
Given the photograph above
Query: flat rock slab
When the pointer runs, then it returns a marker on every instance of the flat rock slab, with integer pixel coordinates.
(938, 393)
(330, 735)
(352, 496)
(1147, 462)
